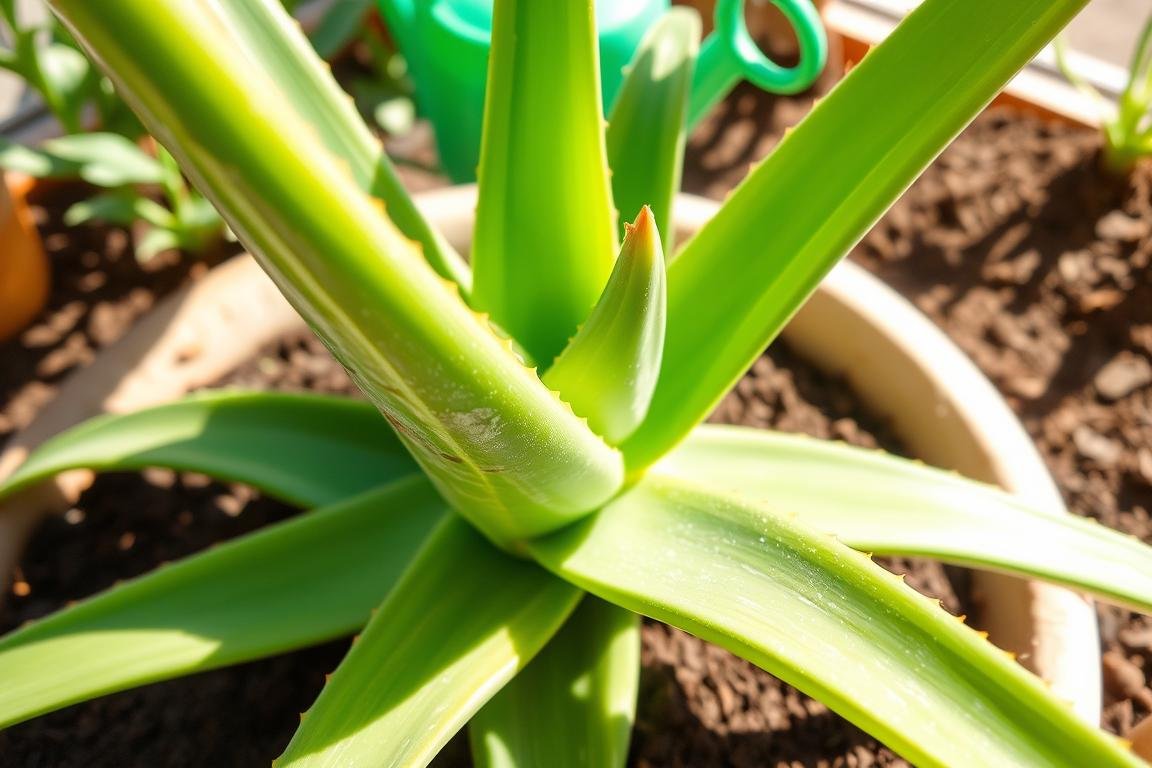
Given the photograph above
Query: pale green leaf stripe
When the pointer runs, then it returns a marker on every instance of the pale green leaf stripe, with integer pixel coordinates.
(827, 620)
(878, 503)
(271, 40)
(463, 619)
(306, 449)
(740, 279)
(573, 705)
(646, 130)
(500, 447)
(545, 234)
(298, 583)
(609, 369)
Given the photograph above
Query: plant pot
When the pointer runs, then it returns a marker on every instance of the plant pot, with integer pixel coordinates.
(890, 354)
(24, 274)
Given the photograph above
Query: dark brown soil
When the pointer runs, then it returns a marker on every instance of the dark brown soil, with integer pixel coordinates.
(98, 291)
(1055, 311)
(1038, 264)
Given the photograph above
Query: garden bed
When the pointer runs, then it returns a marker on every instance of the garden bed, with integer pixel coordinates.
(1010, 242)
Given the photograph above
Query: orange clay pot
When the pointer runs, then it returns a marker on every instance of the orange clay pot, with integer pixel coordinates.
(24, 276)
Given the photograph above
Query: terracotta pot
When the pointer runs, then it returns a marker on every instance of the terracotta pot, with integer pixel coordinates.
(894, 358)
(1141, 737)
(24, 274)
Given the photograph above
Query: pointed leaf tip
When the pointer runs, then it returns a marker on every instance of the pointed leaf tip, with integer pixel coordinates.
(609, 370)
(643, 229)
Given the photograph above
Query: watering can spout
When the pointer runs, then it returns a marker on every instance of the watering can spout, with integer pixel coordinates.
(401, 18)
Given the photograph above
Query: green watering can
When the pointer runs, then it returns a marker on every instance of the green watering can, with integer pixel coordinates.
(446, 44)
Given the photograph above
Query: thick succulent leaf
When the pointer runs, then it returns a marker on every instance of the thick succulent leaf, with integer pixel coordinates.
(647, 128)
(573, 705)
(502, 449)
(272, 40)
(609, 369)
(545, 234)
(737, 283)
(826, 619)
(298, 583)
(463, 619)
(306, 449)
(882, 504)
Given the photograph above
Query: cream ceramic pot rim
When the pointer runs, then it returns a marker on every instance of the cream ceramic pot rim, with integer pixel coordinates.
(898, 363)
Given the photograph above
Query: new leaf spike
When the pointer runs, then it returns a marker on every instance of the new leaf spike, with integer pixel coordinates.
(609, 370)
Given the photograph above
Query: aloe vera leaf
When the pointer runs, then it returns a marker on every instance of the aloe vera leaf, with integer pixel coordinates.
(745, 273)
(573, 705)
(826, 619)
(272, 40)
(304, 581)
(647, 129)
(545, 234)
(609, 369)
(463, 619)
(309, 450)
(499, 446)
(886, 505)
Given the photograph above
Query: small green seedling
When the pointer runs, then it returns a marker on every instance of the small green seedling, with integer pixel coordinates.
(1128, 132)
(46, 57)
(492, 530)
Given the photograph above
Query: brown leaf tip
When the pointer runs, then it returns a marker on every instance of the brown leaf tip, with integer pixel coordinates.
(644, 224)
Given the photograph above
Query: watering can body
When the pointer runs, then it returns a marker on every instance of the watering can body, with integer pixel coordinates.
(446, 44)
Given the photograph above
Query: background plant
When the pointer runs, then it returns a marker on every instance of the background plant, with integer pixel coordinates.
(106, 146)
(507, 524)
(1127, 132)
(101, 145)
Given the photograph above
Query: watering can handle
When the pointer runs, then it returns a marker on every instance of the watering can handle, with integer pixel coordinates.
(730, 54)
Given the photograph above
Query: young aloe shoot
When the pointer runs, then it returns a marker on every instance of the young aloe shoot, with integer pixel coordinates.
(493, 531)
(1127, 132)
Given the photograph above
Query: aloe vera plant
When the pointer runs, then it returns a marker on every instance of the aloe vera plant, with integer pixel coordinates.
(499, 514)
